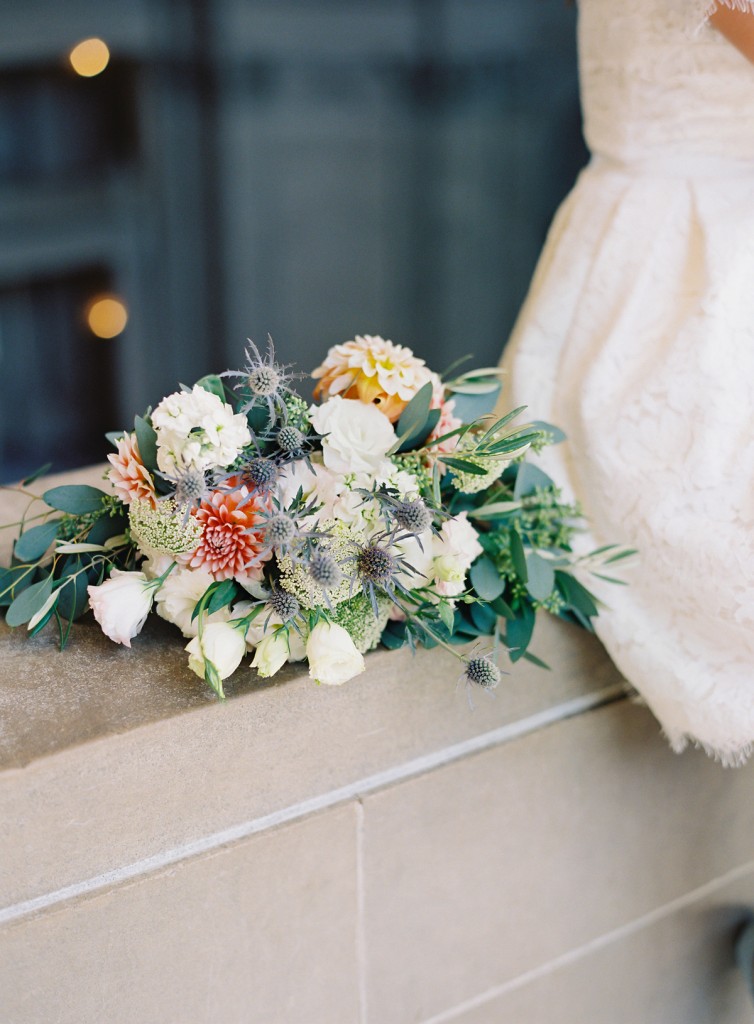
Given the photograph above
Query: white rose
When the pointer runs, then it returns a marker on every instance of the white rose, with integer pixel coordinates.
(317, 484)
(121, 604)
(454, 551)
(221, 644)
(197, 430)
(417, 551)
(179, 595)
(333, 658)
(271, 653)
(358, 435)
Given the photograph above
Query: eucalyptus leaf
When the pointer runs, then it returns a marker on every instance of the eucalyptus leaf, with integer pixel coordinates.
(447, 615)
(411, 428)
(391, 640)
(36, 474)
(106, 528)
(212, 383)
(146, 439)
(77, 575)
(541, 581)
(13, 581)
(470, 407)
(518, 555)
(484, 618)
(576, 594)
(558, 435)
(113, 436)
(518, 632)
(529, 478)
(485, 579)
(33, 543)
(28, 602)
(76, 499)
(78, 548)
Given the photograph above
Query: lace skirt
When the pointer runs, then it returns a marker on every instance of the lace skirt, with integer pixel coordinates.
(637, 338)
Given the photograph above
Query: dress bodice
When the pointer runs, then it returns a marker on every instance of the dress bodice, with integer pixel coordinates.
(660, 84)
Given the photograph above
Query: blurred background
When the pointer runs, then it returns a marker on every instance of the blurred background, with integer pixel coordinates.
(179, 175)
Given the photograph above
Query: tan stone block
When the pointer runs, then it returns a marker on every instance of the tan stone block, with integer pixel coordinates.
(489, 867)
(112, 755)
(263, 932)
(678, 970)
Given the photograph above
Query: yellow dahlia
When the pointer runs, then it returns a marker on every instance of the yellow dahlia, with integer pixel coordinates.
(374, 371)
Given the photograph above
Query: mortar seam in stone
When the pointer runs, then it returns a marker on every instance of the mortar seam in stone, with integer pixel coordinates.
(361, 937)
(352, 791)
(573, 956)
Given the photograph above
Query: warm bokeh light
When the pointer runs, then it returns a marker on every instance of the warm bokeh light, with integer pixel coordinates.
(89, 57)
(106, 316)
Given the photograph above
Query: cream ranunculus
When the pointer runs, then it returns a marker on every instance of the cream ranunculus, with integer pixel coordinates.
(271, 653)
(121, 604)
(220, 644)
(333, 657)
(358, 435)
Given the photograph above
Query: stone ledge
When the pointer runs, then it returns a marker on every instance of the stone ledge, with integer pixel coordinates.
(111, 758)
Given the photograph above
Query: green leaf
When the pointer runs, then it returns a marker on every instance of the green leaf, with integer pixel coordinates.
(484, 618)
(472, 406)
(212, 383)
(541, 581)
(518, 555)
(39, 626)
(535, 660)
(76, 576)
(485, 579)
(113, 436)
(13, 581)
(146, 439)
(393, 636)
(518, 632)
(447, 615)
(557, 434)
(36, 474)
(212, 677)
(222, 596)
(576, 594)
(463, 465)
(529, 477)
(28, 602)
(502, 609)
(412, 426)
(498, 425)
(33, 543)
(107, 527)
(495, 510)
(76, 499)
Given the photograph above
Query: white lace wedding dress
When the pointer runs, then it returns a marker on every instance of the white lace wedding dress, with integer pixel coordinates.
(637, 338)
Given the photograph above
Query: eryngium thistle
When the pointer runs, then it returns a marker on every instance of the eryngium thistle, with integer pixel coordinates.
(324, 570)
(264, 379)
(290, 440)
(284, 604)
(261, 473)
(279, 531)
(190, 488)
(376, 565)
(483, 672)
(412, 516)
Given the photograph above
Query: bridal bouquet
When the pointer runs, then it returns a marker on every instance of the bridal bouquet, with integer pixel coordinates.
(395, 509)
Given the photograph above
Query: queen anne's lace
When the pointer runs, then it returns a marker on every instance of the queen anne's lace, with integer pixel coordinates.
(638, 339)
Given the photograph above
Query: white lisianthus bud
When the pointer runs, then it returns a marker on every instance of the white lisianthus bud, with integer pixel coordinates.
(333, 657)
(121, 604)
(271, 653)
(220, 644)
